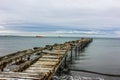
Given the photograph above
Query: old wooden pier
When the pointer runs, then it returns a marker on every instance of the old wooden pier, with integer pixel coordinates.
(39, 63)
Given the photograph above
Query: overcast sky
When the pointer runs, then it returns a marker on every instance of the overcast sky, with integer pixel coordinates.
(60, 16)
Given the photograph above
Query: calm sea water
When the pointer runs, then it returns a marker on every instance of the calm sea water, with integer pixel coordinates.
(102, 55)
(13, 44)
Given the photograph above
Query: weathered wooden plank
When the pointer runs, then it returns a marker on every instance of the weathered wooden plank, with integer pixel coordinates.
(39, 68)
(48, 66)
(46, 63)
(26, 78)
(19, 75)
(35, 70)
(46, 59)
(51, 56)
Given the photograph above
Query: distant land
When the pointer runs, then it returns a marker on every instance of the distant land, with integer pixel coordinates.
(38, 36)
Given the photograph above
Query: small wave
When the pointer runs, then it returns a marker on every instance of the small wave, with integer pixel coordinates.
(68, 77)
(105, 74)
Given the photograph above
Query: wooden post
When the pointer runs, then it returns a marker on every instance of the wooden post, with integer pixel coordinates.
(1, 67)
(75, 51)
(59, 53)
(78, 49)
(65, 61)
(71, 53)
(80, 46)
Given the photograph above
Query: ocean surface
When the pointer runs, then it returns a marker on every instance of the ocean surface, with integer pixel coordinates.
(102, 55)
(13, 44)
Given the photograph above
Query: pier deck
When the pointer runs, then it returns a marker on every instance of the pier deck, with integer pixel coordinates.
(40, 63)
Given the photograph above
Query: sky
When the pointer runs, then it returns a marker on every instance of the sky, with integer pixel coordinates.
(60, 17)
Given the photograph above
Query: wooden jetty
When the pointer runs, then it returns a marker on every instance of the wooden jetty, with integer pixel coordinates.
(38, 63)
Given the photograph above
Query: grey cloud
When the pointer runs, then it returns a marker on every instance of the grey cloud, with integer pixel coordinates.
(89, 14)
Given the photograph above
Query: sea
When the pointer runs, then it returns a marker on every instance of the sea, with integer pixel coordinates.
(100, 56)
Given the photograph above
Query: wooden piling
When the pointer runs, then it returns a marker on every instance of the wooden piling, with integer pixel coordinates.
(71, 53)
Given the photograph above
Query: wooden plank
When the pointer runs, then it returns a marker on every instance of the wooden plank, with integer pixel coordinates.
(51, 56)
(48, 66)
(39, 68)
(46, 63)
(44, 59)
(19, 75)
(61, 53)
(26, 78)
(37, 71)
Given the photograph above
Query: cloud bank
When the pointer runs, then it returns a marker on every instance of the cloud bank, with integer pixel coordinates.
(91, 16)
